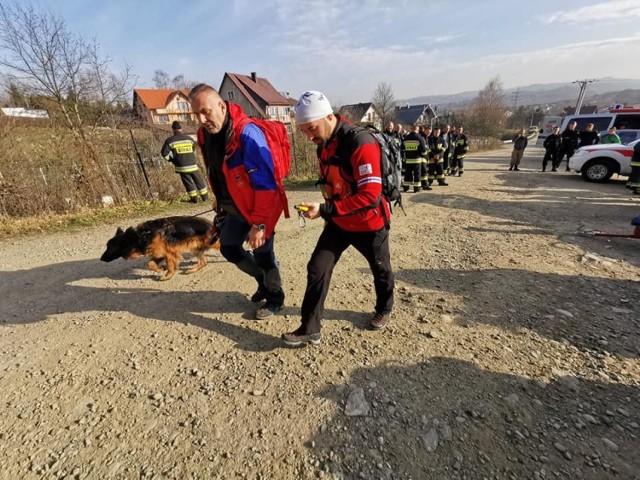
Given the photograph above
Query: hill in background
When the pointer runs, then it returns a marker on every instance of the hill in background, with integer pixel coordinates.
(604, 92)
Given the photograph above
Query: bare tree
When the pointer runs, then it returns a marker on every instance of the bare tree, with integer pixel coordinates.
(161, 79)
(384, 102)
(486, 115)
(44, 59)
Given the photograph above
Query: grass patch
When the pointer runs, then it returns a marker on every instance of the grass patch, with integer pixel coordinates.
(50, 223)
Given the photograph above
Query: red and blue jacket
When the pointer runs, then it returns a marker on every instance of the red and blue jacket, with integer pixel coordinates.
(248, 170)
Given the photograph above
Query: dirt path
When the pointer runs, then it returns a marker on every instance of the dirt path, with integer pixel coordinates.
(513, 352)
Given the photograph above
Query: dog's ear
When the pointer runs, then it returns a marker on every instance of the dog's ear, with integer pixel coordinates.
(119, 231)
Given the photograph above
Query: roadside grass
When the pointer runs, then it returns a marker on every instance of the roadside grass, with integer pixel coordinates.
(89, 217)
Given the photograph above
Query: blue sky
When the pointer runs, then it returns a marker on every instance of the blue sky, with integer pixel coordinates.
(346, 47)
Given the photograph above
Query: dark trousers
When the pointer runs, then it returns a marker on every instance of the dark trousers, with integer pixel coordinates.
(550, 156)
(436, 172)
(412, 175)
(374, 246)
(445, 160)
(568, 151)
(457, 164)
(194, 185)
(261, 264)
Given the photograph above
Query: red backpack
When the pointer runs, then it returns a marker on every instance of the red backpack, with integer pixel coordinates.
(278, 140)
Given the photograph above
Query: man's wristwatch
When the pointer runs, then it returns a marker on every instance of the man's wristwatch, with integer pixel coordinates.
(262, 227)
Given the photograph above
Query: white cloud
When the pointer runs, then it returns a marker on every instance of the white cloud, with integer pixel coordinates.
(615, 10)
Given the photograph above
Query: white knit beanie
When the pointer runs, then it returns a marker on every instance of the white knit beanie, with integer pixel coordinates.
(312, 106)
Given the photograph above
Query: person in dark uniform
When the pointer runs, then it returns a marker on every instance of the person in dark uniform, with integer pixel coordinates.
(178, 149)
(414, 149)
(551, 148)
(634, 178)
(588, 136)
(436, 160)
(460, 149)
(570, 140)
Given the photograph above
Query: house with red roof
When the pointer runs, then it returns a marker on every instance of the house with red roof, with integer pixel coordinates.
(162, 106)
(257, 97)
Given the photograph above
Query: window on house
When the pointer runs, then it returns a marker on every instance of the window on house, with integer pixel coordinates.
(163, 118)
(183, 106)
(231, 95)
(184, 117)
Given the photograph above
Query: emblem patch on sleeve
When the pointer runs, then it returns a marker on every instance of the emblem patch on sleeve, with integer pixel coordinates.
(365, 169)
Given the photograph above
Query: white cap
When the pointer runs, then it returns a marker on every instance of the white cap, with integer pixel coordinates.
(311, 106)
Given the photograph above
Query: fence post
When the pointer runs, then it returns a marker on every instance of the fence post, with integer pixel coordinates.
(144, 170)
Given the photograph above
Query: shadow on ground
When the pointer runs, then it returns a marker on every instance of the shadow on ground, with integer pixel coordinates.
(596, 313)
(446, 418)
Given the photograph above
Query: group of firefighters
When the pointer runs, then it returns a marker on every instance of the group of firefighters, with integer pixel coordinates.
(429, 154)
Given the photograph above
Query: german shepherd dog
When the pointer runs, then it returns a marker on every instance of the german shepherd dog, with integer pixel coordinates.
(164, 239)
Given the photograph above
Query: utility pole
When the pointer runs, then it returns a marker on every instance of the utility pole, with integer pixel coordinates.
(583, 88)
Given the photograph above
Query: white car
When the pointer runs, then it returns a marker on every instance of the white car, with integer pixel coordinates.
(597, 163)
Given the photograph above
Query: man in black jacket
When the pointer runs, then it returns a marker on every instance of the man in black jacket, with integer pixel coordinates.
(588, 136)
(551, 149)
(570, 140)
(178, 149)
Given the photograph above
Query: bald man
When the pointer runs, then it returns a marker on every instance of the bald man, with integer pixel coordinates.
(248, 204)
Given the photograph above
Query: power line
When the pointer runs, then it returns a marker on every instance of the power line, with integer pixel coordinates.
(583, 88)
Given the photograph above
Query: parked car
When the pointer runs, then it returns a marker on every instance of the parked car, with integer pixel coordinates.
(598, 163)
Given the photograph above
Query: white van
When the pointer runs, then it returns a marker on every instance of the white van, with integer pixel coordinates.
(621, 118)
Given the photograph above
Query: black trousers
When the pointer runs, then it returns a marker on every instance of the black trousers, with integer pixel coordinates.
(568, 151)
(550, 156)
(333, 241)
(194, 185)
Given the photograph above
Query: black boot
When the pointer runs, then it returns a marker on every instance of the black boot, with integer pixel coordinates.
(510, 167)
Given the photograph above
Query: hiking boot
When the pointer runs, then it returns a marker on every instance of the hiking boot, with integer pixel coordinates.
(379, 321)
(296, 339)
(269, 309)
(260, 295)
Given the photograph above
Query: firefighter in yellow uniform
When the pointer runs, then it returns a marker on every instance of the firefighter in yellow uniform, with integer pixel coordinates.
(460, 148)
(436, 158)
(414, 150)
(179, 150)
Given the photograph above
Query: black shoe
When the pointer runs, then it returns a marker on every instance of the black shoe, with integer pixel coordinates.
(295, 339)
(416, 189)
(460, 174)
(269, 309)
(516, 169)
(567, 169)
(554, 169)
(510, 167)
(443, 184)
(205, 198)
(193, 199)
(379, 321)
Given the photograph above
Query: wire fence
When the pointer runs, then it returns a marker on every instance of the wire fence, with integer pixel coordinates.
(44, 170)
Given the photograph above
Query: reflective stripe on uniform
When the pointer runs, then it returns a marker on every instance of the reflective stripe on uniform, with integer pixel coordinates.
(182, 146)
(187, 169)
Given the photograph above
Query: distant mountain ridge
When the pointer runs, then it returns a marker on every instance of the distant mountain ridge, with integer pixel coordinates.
(603, 92)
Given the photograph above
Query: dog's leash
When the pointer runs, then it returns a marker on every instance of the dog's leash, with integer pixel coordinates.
(202, 213)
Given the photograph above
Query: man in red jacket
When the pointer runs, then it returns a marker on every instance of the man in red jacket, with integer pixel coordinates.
(355, 212)
(241, 174)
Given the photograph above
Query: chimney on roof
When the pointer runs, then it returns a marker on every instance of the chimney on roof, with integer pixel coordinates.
(254, 77)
